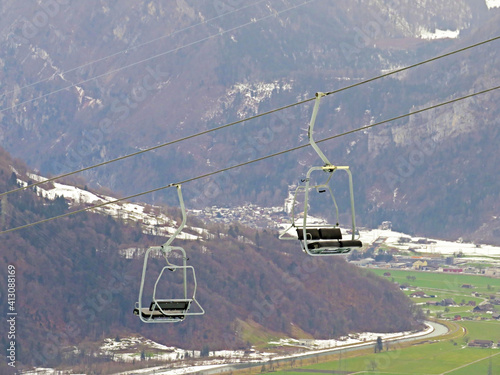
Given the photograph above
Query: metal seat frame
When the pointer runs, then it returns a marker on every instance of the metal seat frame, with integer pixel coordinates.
(166, 249)
(329, 168)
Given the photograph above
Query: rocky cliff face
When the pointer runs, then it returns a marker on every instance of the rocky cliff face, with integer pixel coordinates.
(87, 82)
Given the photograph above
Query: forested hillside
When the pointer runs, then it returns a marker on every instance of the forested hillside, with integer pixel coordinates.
(74, 286)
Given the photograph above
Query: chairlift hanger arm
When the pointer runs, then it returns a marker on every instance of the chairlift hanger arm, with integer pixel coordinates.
(328, 167)
(320, 240)
(169, 310)
(166, 245)
(310, 130)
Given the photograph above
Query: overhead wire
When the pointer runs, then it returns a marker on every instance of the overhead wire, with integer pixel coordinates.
(126, 50)
(415, 65)
(45, 181)
(253, 21)
(93, 207)
(252, 117)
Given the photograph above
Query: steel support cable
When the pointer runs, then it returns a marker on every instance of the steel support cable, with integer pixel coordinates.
(154, 147)
(93, 207)
(156, 56)
(250, 118)
(415, 65)
(126, 50)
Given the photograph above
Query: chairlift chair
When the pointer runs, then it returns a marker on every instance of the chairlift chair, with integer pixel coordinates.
(320, 240)
(169, 310)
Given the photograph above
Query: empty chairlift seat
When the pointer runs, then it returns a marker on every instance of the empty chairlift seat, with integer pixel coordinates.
(172, 310)
(321, 239)
(320, 233)
(326, 240)
(169, 310)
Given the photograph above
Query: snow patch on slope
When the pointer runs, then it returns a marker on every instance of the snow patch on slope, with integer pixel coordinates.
(250, 96)
(433, 246)
(354, 338)
(493, 4)
(254, 94)
(438, 34)
(150, 217)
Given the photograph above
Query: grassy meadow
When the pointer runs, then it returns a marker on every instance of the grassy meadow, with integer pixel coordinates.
(448, 354)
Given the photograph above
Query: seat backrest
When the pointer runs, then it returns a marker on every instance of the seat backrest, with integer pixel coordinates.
(330, 233)
(312, 233)
(170, 305)
(320, 233)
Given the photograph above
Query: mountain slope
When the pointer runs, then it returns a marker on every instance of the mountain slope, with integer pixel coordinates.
(73, 285)
(176, 68)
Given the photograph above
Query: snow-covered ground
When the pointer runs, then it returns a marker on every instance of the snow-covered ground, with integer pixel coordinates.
(151, 218)
(347, 340)
(47, 371)
(125, 350)
(161, 370)
(392, 239)
(493, 4)
(439, 34)
(314, 346)
(433, 246)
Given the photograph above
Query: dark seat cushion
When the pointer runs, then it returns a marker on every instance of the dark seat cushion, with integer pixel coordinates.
(328, 244)
(170, 305)
(351, 243)
(332, 250)
(172, 309)
(330, 234)
(320, 234)
(148, 314)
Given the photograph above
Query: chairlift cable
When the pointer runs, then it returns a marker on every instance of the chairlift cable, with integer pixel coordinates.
(154, 147)
(413, 66)
(126, 50)
(274, 14)
(248, 118)
(250, 162)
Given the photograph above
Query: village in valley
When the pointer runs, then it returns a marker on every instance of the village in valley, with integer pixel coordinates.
(406, 260)
(384, 248)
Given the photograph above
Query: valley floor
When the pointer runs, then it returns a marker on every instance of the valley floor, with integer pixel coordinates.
(226, 361)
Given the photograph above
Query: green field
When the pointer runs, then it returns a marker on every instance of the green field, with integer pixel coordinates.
(444, 286)
(482, 330)
(444, 355)
(443, 281)
(441, 358)
(448, 356)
